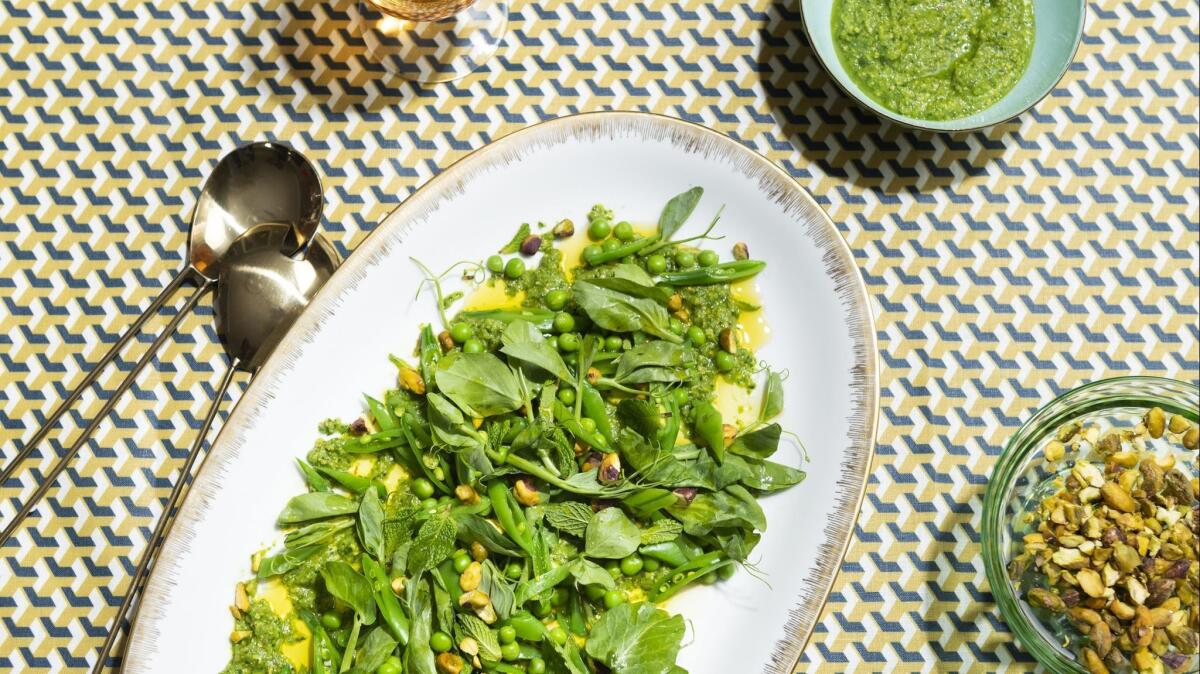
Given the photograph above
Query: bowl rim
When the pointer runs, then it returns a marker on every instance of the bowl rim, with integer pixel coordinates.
(890, 116)
(1026, 633)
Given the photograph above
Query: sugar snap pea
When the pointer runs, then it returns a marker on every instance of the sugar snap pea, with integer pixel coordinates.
(621, 251)
(595, 409)
(726, 272)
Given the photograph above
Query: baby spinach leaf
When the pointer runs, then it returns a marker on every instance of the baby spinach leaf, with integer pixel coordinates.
(758, 444)
(525, 343)
(376, 648)
(662, 531)
(641, 416)
(591, 573)
(515, 244)
(489, 645)
(433, 544)
(637, 639)
(676, 212)
(770, 476)
(570, 517)
(286, 560)
(316, 505)
(370, 524)
(474, 529)
(344, 583)
(480, 383)
(709, 427)
(772, 400)
(619, 312)
(611, 535)
(733, 507)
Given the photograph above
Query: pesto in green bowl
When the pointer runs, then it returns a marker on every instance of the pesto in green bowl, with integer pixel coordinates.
(945, 65)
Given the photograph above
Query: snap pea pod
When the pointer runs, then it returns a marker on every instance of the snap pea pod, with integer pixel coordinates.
(430, 353)
(542, 319)
(449, 579)
(689, 573)
(375, 442)
(648, 501)
(528, 628)
(591, 438)
(621, 251)
(352, 482)
(382, 415)
(389, 606)
(671, 553)
(726, 272)
(508, 514)
(595, 409)
(710, 428)
(670, 429)
(502, 667)
(314, 479)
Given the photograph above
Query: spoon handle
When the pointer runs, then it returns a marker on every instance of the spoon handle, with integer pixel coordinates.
(134, 328)
(48, 479)
(165, 520)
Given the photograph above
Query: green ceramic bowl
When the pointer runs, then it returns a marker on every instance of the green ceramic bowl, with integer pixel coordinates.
(1058, 30)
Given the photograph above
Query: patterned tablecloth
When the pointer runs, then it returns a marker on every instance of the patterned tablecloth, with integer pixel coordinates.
(1005, 266)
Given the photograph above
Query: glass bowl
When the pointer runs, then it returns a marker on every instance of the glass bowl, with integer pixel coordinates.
(1022, 470)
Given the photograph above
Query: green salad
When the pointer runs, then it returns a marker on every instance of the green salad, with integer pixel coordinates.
(546, 472)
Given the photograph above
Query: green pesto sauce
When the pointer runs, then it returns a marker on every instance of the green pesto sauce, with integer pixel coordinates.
(301, 582)
(487, 330)
(934, 59)
(260, 653)
(546, 276)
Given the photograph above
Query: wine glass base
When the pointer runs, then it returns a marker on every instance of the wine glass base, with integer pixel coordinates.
(433, 51)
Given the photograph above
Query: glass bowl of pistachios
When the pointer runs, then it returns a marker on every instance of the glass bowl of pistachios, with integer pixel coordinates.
(1091, 529)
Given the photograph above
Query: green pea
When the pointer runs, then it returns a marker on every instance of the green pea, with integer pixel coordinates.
(613, 343)
(709, 578)
(515, 268)
(594, 592)
(508, 634)
(542, 609)
(726, 572)
(495, 264)
(536, 666)
(568, 342)
(564, 322)
(560, 597)
(556, 299)
(514, 571)
(613, 598)
(558, 635)
(440, 642)
(390, 666)
(552, 340)
(651, 564)
(591, 255)
(461, 563)
(696, 335)
(724, 361)
(707, 258)
(430, 504)
(587, 425)
(422, 488)
(566, 396)
(623, 231)
(656, 264)
(677, 327)
(681, 396)
(609, 245)
(510, 652)
(331, 620)
(570, 358)
(632, 565)
(685, 259)
(472, 345)
(461, 332)
(613, 568)
(598, 229)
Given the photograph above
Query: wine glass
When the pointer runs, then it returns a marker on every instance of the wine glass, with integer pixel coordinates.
(431, 40)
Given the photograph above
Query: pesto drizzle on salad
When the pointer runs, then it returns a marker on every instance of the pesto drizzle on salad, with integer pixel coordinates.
(543, 473)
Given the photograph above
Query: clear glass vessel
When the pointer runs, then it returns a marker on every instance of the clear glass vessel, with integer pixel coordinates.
(1022, 475)
(431, 40)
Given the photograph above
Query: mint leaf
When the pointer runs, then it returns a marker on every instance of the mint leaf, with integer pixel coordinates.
(569, 517)
(662, 531)
(433, 544)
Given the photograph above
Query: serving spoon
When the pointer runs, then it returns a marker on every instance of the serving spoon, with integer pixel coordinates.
(260, 293)
(256, 183)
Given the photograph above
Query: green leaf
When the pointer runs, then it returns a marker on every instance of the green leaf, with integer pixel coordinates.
(418, 656)
(346, 584)
(591, 573)
(534, 587)
(286, 560)
(515, 244)
(770, 476)
(480, 383)
(619, 312)
(676, 212)
(316, 532)
(637, 639)
(570, 517)
(316, 505)
(611, 535)
(772, 400)
(631, 279)
(758, 444)
(498, 588)
(662, 531)
(314, 480)
(543, 319)
(644, 417)
(732, 508)
(709, 427)
(525, 343)
(370, 524)
(489, 645)
(655, 355)
(433, 544)
(376, 648)
(474, 529)
(449, 426)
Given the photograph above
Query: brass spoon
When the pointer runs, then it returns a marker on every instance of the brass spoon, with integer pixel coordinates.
(261, 182)
(260, 293)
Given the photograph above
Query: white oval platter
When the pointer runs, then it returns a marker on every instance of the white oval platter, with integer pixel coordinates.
(815, 302)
